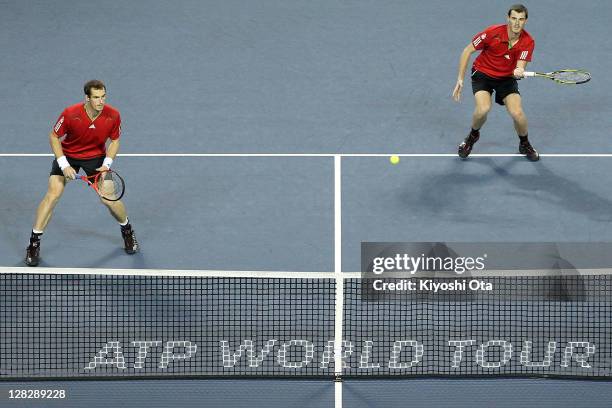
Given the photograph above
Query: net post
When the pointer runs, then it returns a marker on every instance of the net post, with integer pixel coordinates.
(339, 280)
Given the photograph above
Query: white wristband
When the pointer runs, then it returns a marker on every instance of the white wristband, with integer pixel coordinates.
(107, 162)
(63, 162)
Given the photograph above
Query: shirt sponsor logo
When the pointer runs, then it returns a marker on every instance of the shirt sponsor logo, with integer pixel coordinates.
(58, 125)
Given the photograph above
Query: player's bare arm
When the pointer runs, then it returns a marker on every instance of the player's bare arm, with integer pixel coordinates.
(519, 71)
(111, 152)
(463, 63)
(58, 152)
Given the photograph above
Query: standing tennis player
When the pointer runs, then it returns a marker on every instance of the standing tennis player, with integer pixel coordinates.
(505, 50)
(78, 140)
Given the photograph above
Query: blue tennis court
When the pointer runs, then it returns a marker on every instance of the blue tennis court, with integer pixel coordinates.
(256, 139)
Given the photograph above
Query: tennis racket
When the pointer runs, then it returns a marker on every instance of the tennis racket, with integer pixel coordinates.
(108, 184)
(564, 76)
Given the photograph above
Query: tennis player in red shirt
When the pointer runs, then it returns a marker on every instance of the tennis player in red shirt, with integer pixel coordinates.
(78, 140)
(505, 51)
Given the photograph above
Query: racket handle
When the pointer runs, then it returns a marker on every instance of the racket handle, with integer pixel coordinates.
(529, 74)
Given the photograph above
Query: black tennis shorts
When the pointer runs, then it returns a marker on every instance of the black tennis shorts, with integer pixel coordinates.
(502, 86)
(88, 165)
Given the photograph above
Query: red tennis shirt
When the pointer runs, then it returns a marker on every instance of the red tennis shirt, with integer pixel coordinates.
(85, 138)
(497, 60)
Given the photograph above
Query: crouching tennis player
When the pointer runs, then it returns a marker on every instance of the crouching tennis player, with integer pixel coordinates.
(505, 50)
(78, 140)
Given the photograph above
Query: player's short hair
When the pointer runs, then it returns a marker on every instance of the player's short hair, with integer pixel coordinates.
(519, 8)
(93, 84)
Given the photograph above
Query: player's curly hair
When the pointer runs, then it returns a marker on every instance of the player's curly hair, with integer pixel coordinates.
(93, 84)
(519, 8)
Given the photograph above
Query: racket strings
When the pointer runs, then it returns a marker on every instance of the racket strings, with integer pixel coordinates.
(572, 76)
(110, 186)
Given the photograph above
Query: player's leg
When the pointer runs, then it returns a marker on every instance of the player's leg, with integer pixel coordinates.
(515, 109)
(43, 215)
(514, 106)
(119, 213)
(45, 208)
(116, 209)
(483, 106)
(482, 99)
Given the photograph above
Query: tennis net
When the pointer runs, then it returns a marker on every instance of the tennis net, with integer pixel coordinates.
(72, 324)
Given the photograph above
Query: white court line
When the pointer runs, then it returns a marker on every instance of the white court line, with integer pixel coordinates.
(292, 275)
(339, 279)
(586, 155)
(175, 273)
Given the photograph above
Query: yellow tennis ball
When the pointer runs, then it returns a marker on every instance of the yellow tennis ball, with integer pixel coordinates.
(394, 159)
